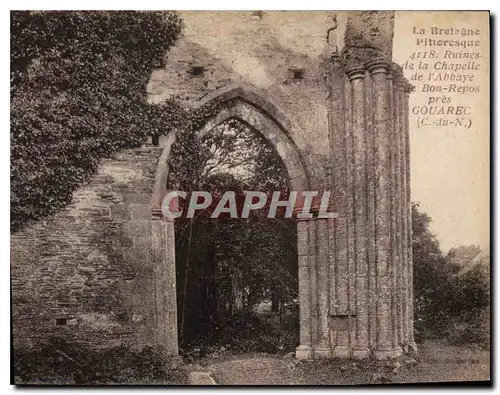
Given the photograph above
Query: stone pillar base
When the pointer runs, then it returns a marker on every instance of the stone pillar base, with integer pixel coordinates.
(342, 352)
(322, 353)
(361, 354)
(304, 352)
(410, 348)
(309, 353)
(413, 348)
(384, 354)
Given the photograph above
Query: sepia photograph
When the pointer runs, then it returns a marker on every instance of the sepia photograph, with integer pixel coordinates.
(250, 198)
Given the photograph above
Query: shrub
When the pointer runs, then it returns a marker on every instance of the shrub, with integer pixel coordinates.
(63, 362)
(470, 310)
(472, 328)
(245, 331)
(452, 292)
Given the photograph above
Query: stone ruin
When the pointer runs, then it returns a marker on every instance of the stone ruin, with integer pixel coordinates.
(322, 89)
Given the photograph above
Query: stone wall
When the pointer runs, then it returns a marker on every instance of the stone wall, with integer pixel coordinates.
(86, 272)
(322, 89)
(279, 55)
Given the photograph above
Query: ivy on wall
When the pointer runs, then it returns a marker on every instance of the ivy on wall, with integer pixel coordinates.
(78, 94)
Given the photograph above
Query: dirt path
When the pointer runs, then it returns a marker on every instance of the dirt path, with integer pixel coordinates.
(249, 369)
(256, 371)
(438, 362)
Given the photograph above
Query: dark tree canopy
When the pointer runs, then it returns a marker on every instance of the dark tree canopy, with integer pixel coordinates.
(225, 267)
(452, 291)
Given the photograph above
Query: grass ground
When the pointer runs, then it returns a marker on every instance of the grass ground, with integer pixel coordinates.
(437, 362)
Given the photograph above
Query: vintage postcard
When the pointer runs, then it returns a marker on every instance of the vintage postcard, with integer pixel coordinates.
(250, 197)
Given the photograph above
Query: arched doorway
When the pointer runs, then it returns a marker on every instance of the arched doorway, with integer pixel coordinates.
(252, 109)
(237, 283)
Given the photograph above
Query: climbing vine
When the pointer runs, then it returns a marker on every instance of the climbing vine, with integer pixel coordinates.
(78, 94)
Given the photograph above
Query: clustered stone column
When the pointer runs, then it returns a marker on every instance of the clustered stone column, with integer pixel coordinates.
(358, 142)
(371, 286)
(314, 251)
(340, 321)
(165, 295)
(305, 261)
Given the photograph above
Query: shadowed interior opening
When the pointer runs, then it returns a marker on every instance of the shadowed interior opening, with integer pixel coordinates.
(237, 286)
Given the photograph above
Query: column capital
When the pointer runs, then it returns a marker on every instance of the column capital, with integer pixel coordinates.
(355, 71)
(407, 87)
(397, 71)
(403, 85)
(304, 219)
(314, 210)
(399, 82)
(156, 213)
(299, 219)
(377, 66)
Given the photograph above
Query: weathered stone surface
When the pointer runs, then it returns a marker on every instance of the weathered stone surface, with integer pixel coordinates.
(103, 269)
(86, 272)
(368, 36)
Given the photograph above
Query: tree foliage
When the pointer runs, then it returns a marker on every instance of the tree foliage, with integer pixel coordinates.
(78, 94)
(432, 274)
(227, 266)
(452, 293)
(462, 256)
